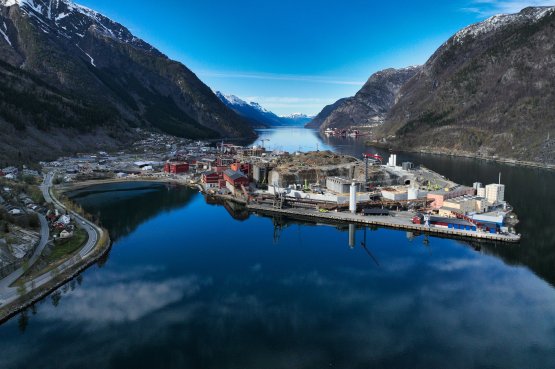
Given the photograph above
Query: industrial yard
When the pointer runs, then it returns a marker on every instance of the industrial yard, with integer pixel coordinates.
(370, 189)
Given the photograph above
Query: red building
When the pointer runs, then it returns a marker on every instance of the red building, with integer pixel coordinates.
(176, 168)
(1, 173)
(244, 168)
(213, 180)
(235, 178)
(220, 168)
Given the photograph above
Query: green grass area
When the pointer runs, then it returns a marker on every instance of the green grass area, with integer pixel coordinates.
(62, 250)
(66, 248)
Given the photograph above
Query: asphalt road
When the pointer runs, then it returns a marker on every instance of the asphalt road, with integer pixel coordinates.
(9, 294)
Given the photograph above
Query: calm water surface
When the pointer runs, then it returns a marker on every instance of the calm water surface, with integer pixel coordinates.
(193, 285)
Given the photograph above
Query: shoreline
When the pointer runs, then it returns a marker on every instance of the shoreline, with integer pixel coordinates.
(515, 162)
(384, 222)
(42, 292)
(102, 246)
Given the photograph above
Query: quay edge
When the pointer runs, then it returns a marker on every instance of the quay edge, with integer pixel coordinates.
(388, 222)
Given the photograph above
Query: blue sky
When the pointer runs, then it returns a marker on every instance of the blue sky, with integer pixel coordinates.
(297, 55)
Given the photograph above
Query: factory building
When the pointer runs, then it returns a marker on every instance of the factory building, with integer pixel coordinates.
(235, 179)
(439, 197)
(176, 167)
(245, 168)
(466, 204)
(260, 172)
(495, 193)
(341, 185)
(395, 194)
(211, 180)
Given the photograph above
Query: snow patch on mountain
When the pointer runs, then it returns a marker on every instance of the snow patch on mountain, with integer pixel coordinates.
(498, 22)
(297, 116)
(5, 36)
(236, 101)
(73, 21)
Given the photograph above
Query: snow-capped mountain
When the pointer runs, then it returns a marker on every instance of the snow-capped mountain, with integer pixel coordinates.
(72, 21)
(65, 67)
(501, 21)
(259, 116)
(296, 119)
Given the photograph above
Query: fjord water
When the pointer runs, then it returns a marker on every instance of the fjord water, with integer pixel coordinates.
(189, 284)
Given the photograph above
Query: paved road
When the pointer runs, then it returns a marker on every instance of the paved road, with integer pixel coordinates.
(8, 294)
(44, 235)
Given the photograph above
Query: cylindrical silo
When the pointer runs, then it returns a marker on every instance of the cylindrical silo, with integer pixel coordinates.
(353, 198)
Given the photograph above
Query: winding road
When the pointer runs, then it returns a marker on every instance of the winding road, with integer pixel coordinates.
(9, 294)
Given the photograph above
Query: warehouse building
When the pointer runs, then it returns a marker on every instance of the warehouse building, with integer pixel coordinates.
(341, 185)
(439, 197)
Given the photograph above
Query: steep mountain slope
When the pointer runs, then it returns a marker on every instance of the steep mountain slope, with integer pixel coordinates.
(319, 119)
(489, 90)
(95, 77)
(371, 104)
(257, 115)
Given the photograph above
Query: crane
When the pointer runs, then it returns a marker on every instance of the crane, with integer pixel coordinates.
(367, 156)
(262, 141)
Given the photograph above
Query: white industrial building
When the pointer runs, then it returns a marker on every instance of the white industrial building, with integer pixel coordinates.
(495, 193)
(395, 194)
(326, 197)
(342, 185)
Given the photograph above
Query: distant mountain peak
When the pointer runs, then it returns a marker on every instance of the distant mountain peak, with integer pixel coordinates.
(237, 101)
(371, 103)
(258, 115)
(296, 116)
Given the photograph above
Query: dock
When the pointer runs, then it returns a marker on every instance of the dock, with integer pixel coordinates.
(399, 220)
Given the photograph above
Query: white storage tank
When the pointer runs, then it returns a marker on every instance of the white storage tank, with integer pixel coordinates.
(353, 198)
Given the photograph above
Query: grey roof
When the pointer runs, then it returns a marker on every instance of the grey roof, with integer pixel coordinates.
(233, 174)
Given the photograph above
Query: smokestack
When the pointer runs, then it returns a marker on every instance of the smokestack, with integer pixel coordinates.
(499, 177)
(353, 198)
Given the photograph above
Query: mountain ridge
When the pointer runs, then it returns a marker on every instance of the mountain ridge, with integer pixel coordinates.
(370, 105)
(91, 61)
(488, 90)
(259, 116)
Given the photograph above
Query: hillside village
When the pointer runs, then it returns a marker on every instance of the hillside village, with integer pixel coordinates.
(25, 220)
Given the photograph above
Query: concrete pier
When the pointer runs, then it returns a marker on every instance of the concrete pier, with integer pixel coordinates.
(399, 220)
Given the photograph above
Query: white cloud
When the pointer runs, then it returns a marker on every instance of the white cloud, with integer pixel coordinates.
(491, 7)
(121, 298)
(452, 265)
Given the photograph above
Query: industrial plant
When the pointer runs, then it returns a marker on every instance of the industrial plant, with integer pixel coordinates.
(321, 184)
